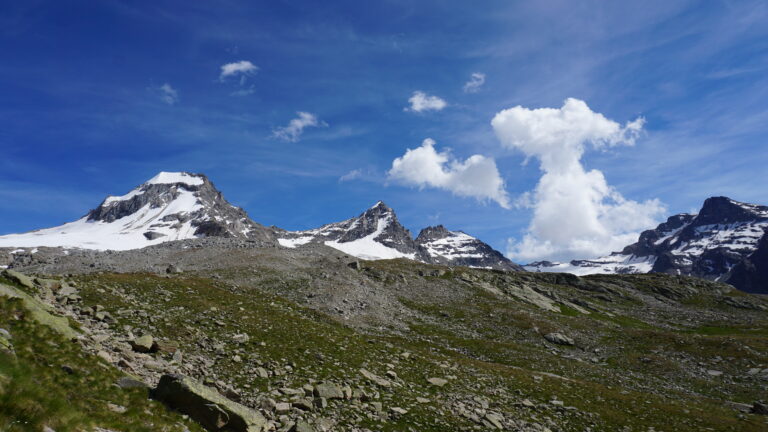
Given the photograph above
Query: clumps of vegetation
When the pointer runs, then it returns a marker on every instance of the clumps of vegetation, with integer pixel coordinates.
(50, 381)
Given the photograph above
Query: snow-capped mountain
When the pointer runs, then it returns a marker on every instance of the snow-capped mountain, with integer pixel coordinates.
(180, 205)
(377, 234)
(169, 206)
(459, 248)
(710, 244)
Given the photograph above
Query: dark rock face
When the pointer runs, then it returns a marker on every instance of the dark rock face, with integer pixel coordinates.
(458, 248)
(213, 216)
(647, 243)
(751, 274)
(711, 243)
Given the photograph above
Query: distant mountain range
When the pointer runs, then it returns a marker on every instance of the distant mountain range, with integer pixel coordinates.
(377, 234)
(726, 241)
(179, 206)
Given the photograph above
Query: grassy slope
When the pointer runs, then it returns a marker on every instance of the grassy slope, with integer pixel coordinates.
(484, 343)
(38, 391)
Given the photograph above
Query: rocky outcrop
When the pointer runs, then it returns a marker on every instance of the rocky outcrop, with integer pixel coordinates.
(206, 406)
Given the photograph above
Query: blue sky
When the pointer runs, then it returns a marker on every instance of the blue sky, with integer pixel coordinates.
(97, 97)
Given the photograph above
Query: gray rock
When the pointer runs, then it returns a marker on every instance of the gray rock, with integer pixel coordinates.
(559, 339)
(375, 378)
(328, 391)
(130, 383)
(304, 405)
(302, 426)
(206, 406)
(439, 382)
(144, 344)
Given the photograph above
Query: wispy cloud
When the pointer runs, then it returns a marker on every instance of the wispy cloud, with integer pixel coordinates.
(242, 69)
(296, 126)
(475, 82)
(421, 101)
(168, 94)
(352, 175)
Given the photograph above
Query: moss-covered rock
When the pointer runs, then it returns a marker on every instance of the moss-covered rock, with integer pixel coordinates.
(206, 406)
(40, 312)
(18, 278)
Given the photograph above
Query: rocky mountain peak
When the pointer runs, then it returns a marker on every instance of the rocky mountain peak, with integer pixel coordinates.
(723, 210)
(433, 233)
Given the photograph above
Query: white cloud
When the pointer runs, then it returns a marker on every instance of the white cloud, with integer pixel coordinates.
(475, 82)
(475, 177)
(576, 213)
(352, 175)
(296, 126)
(243, 68)
(421, 101)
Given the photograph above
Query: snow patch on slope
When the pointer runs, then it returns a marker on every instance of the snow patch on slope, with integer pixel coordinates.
(457, 245)
(611, 264)
(175, 177)
(368, 248)
(122, 234)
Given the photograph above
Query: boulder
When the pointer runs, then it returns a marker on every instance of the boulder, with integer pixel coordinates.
(206, 406)
(302, 426)
(375, 378)
(328, 391)
(559, 339)
(439, 382)
(144, 344)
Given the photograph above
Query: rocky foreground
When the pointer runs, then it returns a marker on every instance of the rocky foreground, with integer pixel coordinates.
(251, 339)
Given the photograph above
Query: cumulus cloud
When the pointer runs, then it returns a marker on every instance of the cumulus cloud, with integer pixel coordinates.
(168, 94)
(242, 68)
(475, 82)
(576, 213)
(475, 177)
(296, 126)
(421, 101)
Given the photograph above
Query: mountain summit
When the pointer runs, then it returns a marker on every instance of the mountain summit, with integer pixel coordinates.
(374, 234)
(169, 206)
